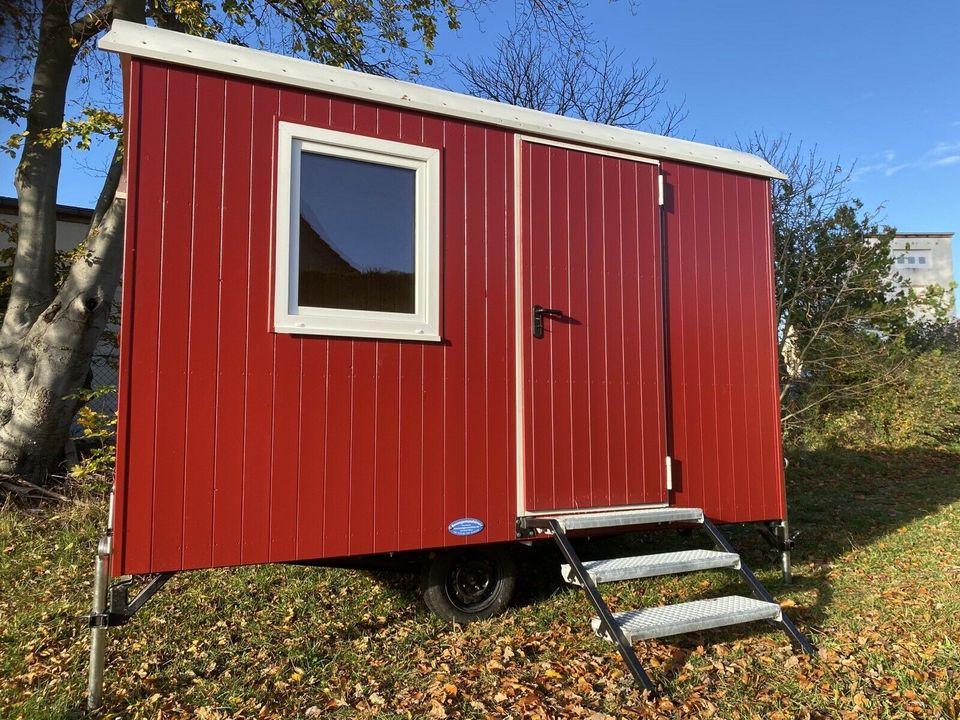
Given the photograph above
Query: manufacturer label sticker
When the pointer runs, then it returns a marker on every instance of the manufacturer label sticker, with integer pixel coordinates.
(465, 526)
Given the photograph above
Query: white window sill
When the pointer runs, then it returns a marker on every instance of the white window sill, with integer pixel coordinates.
(294, 329)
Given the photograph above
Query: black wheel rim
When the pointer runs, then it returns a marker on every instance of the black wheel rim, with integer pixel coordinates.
(473, 582)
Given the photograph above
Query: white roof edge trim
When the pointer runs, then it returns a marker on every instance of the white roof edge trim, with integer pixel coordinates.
(128, 38)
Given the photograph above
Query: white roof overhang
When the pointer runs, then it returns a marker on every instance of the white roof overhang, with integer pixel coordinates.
(180, 49)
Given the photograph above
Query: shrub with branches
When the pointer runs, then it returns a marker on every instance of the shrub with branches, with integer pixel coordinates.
(848, 329)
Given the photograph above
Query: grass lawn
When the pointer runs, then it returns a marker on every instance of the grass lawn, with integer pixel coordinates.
(877, 589)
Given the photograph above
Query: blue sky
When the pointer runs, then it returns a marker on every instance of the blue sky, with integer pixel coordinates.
(871, 82)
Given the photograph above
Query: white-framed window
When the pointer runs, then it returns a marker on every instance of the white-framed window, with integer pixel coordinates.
(914, 259)
(358, 236)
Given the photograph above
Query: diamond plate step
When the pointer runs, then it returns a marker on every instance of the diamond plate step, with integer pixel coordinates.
(672, 563)
(655, 622)
(616, 518)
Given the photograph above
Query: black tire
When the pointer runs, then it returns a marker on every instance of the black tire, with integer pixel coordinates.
(470, 583)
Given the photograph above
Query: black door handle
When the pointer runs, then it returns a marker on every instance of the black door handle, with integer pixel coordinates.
(538, 312)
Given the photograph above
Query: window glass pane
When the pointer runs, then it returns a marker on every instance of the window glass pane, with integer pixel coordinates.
(357, 246)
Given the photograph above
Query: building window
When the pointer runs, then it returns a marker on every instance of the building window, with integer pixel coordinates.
(920, 259)
(358, 241)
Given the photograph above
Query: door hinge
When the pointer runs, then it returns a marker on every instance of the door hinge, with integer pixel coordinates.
(660, 189)
(669, 463)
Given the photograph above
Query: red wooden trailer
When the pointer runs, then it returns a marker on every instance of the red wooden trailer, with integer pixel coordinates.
(364, 317)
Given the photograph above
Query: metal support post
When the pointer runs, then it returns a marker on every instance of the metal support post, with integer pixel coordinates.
(98, 635)
(783, 530)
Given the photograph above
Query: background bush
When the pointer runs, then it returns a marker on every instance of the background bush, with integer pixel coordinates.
(918, 407)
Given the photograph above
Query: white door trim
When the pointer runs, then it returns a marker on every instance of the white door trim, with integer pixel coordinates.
(591, 510)
(518, 318)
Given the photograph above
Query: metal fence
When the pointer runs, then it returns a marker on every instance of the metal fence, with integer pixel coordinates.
(103, 372)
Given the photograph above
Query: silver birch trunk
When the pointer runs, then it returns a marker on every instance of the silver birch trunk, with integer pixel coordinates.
(48, 334)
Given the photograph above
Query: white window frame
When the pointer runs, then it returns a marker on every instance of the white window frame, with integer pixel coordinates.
(289, 317)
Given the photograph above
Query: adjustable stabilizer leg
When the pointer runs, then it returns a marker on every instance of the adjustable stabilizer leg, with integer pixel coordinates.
(111, 607)
(98, 633)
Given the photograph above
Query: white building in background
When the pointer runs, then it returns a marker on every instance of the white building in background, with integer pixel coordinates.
(72, 222)
(924, 259)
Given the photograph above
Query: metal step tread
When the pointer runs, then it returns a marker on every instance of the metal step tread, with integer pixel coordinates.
(648, 623)
(619, 518)
(640, 566)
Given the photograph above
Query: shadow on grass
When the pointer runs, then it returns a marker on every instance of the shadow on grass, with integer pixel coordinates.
(839, 499)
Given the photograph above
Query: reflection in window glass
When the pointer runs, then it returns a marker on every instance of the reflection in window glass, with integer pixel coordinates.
(357, 231)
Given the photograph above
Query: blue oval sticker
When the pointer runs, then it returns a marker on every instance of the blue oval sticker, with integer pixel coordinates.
(465, 526)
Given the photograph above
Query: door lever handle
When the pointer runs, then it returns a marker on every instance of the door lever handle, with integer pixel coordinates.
(538, 314)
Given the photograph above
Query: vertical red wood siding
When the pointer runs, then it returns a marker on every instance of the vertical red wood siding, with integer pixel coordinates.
(237, 445)
(722, 372)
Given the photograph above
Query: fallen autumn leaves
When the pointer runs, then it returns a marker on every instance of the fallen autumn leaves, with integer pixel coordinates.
(876, 589)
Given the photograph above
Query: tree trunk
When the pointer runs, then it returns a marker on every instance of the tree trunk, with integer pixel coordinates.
(36, 180)
(48, 337)
(53, 357)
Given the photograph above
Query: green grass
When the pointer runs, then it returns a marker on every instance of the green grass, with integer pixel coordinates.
(876, 588)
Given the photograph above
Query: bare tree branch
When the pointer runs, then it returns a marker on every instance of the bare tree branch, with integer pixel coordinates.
(840, 315)
(579, 78)
(91, 24)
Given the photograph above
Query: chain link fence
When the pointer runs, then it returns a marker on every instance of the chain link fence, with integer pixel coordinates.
(104, 372)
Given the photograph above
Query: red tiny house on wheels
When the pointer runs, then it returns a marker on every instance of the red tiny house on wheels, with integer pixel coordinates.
(241, 444)
(363, 318)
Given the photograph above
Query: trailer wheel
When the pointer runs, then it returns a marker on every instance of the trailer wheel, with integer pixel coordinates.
(471, 583)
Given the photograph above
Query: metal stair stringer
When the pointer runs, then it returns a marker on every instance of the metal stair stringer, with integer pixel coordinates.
(608, 625)
(758, 589)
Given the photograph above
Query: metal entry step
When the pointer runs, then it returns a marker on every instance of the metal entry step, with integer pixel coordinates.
(672, 563)
(625, 628)
(574, 522)
(655, 622)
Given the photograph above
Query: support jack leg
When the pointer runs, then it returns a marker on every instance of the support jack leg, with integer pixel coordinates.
(111, 607)
(98, 633)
